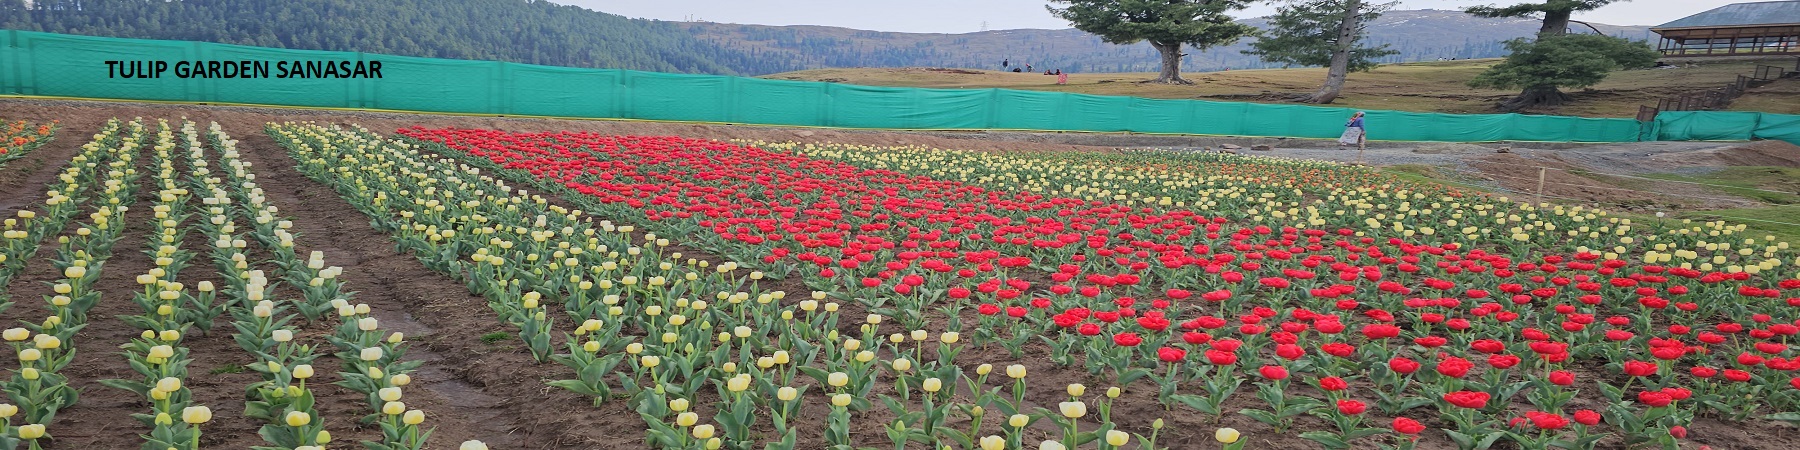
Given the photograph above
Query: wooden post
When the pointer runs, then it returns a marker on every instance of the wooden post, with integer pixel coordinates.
(1540, 189)
(1362, 143)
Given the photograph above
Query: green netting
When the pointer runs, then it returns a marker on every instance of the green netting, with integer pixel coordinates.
(1706, 125)
(60, 65)
(1785, 127)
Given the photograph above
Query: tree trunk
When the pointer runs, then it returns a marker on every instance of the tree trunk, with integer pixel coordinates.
(1556, 23)
(1534, 97)
(1171, 62)
(1340, 55)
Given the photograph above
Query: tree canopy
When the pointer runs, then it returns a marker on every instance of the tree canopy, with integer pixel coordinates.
(1306, 34)
(1556, 12)
(1541, 67)
(1166, 24)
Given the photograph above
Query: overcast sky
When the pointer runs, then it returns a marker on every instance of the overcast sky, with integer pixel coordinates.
(965, 16)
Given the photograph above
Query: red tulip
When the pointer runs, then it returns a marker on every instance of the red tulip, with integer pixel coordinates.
(1654, 399)
(1402, 365)
(1547, 421)
(1587, 417)
(1562, 378)
(1351, 407)
(1407, 426)
(1454, 367)
(1221, 358)
(1467, 399)
(1170, 354)
(1333, 384)
(1273, 372)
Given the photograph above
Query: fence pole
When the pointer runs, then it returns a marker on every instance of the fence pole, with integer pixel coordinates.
(1540, 190)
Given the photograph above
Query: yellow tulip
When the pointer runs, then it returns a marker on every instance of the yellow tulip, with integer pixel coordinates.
(393, 408)
(195, 415)
(993, 443)
(32, 431)
(1117, 438)
(1072, 410)
(413, 417)
(298, 419)
(1226, 435)
(1016, 371)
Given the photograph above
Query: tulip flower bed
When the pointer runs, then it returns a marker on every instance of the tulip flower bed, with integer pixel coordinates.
(20, 137)
(1352, 309)
(102, 175)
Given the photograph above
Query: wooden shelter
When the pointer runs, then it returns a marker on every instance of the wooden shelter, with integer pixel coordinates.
(1739, 29)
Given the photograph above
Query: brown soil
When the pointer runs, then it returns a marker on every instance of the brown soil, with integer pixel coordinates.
(1566, 182)
(1762, 153)
(495, 392)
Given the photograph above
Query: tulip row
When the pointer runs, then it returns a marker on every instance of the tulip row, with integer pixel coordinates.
(37, 388)
(773, 374)
(158, 355)
(371, 357)
(1153, 285)
(482, 233)
(24, 234)
(21, 137)
(1279, 191)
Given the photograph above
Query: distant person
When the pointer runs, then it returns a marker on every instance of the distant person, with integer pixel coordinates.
(1027, 67)
(1353, 132)
(1059, 71)
(1018, 70)
(1061, 78)
(1005, 62)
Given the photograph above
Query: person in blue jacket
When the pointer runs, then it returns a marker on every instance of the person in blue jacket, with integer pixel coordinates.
(1353, 132)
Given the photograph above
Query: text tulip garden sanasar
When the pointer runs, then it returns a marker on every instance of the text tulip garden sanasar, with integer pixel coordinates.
(776, 295)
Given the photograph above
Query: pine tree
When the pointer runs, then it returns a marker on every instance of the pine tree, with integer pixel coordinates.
(1557, 14)
(1542, 66)
(1326, 33)
(1166, 24)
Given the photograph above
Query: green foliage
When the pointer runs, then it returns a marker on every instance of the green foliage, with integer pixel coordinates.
(495, 337)
(1199, 23)
(1564, 7)
(1566, 61)
(530, 31)
(1306, 33)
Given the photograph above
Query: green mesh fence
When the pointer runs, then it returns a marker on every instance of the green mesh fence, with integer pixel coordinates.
(45, 64)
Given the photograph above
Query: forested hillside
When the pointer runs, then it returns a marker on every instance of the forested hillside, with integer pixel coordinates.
(541, 32)
(527, 31)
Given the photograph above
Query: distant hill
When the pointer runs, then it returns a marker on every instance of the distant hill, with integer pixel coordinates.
(541, 32)
(1419, 35)
(528, 31)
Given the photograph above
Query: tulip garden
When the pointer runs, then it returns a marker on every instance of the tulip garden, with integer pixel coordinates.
(19, 137)
(778, 295)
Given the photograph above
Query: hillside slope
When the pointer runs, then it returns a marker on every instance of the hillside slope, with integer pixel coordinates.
(542, 32)
(1426, 86)
(1419, 35)
(527, 31)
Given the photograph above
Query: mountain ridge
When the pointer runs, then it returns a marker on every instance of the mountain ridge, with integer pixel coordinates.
(543, 32)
